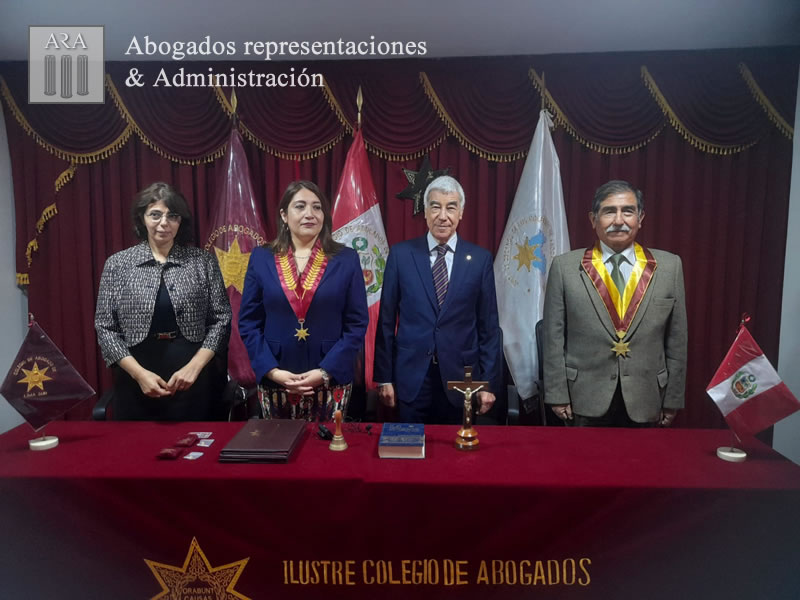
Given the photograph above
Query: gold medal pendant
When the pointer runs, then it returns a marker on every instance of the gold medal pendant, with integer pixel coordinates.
(621, 348)
(302, 333)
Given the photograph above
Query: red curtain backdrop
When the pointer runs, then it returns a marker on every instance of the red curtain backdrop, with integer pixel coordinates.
(705, 135)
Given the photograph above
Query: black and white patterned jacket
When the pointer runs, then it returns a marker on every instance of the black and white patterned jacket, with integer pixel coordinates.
(128, 289)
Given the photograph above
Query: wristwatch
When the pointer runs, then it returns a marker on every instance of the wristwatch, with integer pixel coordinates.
(326, 379)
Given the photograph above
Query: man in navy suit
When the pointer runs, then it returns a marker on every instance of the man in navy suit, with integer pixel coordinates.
(438, 314)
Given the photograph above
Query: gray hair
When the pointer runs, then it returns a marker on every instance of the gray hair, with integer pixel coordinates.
(613, 187)
(445, 185)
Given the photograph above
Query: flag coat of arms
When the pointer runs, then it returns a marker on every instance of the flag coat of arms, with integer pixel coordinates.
(236, 229)
(536, 232)
(747, 389)
(357, 224)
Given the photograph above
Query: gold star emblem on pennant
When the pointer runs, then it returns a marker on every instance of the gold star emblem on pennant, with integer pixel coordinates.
(233, 264)
(35, 378)
(197, 578)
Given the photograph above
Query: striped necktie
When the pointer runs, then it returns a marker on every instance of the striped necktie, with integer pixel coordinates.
(616, 272)
(440, 273)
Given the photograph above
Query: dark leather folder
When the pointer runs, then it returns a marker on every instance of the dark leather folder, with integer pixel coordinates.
(264, 441)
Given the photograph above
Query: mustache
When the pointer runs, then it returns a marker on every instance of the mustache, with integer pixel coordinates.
(613, 228)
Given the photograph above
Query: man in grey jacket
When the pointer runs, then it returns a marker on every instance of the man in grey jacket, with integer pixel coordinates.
(614, 335)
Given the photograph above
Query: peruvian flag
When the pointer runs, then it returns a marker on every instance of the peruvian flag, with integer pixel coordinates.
(235, 230)
(748, 391)
(357, 224)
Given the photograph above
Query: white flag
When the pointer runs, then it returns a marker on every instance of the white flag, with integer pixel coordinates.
(536, 232)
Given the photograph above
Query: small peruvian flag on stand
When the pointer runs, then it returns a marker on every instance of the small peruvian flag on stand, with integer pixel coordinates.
(748, 390)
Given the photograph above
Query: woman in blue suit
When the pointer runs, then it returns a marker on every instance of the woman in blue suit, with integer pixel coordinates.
(304, 311)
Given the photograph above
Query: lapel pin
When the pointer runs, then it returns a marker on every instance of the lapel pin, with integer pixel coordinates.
(469, 256)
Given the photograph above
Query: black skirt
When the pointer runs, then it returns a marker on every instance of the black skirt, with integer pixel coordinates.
(164, 357)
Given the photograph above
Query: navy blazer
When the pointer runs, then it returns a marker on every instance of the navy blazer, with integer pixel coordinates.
(336, 321)
(465, 331)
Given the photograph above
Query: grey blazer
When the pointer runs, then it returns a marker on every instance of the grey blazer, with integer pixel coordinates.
(579, 365)
(127, 296)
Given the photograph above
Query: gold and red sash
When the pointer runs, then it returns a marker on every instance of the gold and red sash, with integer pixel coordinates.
(300, 288)
(621, 307)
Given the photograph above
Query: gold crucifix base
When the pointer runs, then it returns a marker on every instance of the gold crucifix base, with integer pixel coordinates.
(338, 444)
(467, 439)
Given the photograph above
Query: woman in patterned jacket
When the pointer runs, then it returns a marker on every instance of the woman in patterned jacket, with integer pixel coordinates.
(162, 316)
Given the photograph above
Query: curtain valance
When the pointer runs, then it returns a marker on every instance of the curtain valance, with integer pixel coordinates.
(721, 103)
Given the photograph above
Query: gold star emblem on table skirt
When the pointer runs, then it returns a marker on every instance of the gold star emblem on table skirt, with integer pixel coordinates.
(197, 578)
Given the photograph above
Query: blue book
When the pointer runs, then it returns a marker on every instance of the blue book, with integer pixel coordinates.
(402, 440)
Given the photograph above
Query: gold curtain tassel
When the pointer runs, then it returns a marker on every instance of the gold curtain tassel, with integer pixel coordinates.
(454, 130)
(677, 124)
(126, 115)
(773, 114)
(559, 118)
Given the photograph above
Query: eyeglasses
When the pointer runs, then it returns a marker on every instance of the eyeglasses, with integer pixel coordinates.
(156, 215)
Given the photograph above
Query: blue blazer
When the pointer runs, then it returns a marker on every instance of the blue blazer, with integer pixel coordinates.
(336, 320)
(464, 332)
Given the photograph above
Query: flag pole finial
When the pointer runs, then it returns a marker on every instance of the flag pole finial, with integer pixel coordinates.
(359, 104)
(744, 320)
(234, 108)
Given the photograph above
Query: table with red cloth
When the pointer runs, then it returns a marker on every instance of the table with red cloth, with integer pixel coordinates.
(535, 513)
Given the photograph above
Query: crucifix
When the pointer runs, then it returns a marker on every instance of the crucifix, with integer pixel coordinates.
(467, 437)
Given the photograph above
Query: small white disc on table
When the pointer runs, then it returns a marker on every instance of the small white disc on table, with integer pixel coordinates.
(731, 454)
(43, 443)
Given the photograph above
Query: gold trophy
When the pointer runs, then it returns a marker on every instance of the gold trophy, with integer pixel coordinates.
(467, 437)
(338, 443)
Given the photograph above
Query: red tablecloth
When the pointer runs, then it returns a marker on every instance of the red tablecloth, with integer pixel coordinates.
(536, 512)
